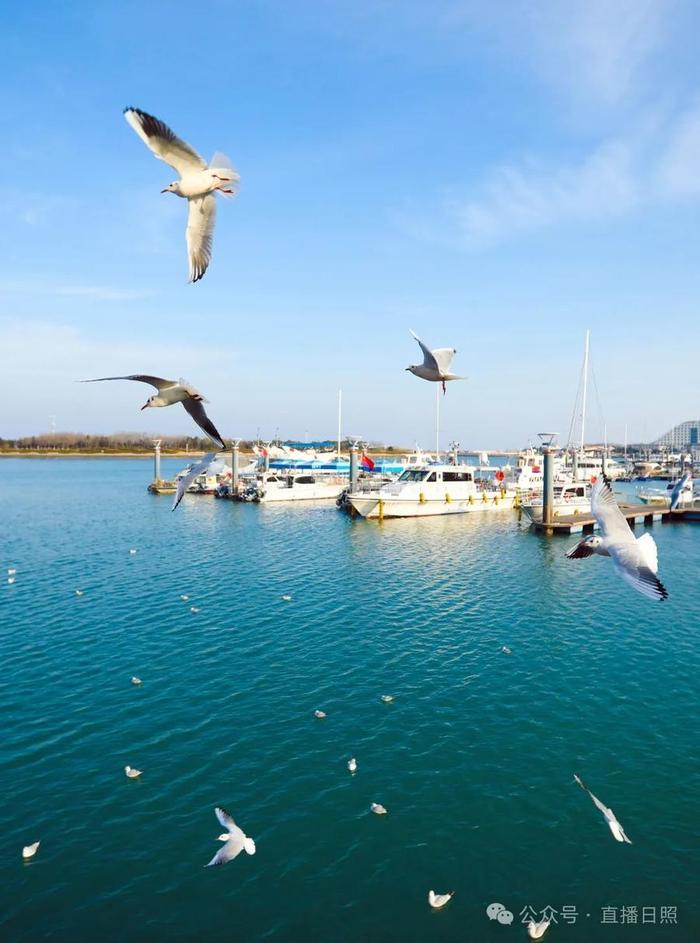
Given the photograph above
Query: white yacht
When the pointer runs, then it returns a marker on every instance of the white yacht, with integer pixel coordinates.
(293, 485)
(573, 497)
(429, 490)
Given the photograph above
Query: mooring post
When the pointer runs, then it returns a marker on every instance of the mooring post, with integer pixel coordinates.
(548, 487)
(156, 460)
(353, 465)
(234, 466)
(574, 465)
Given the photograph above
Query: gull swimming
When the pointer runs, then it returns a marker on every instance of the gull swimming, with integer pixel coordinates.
(30, 850)
(378, 808)
(352, 764)
(387, 698)
(234, 837)
(614, 826)
(10, 580)
(287, 598)
(185, 481)
(635, 558)
(506, 650)
(319, 714)
(131, 772)
(136, 680)
(79, 592)
(677, 490)
(194, 609)
(197, 184)
(536, 929)
(436, 364)
(12, 571)
(173, 391)
(132, 551)
(184, 598)
(437, 901)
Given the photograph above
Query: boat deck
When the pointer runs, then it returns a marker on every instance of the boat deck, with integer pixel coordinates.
(635, 514)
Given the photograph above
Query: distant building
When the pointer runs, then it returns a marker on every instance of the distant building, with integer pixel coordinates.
(686, 435)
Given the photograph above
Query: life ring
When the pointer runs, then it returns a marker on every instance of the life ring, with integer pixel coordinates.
(500, 476)
(594, 478)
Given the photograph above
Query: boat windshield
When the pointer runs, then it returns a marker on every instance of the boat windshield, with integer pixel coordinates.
(414, 474)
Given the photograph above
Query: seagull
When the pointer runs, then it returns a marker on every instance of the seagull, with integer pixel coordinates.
(198, 183)
(10, 580)
(678, 491)
(236, 840)
(30, 850)
(287, 598)
(635, 558)
(131, 772)
(12, 571)
(79, 592)
(537, 929)
(136, 680)
(437, 901)
(506, 650)
(378, 808)
(436, 364)
(173, 391)
(614, 826)
(194, 609)
(319, 714)
(132, 551)
(387, 698)
(184, 597)
(352, 764)
(186, 480)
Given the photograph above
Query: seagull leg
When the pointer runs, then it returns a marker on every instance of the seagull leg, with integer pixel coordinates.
(444, 388)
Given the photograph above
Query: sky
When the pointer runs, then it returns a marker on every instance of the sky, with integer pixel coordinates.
(496, 177)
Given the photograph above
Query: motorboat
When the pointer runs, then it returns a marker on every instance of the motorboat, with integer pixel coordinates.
(573, 497)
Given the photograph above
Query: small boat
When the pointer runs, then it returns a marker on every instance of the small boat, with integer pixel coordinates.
(430, 490)
(571, 498)
(293, 485)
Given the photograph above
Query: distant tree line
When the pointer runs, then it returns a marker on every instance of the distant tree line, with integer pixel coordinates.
(117, 442)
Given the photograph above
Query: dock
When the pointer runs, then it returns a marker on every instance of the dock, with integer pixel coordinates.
(634, 513)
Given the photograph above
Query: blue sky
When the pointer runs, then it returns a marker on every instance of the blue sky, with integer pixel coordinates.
(497, 181)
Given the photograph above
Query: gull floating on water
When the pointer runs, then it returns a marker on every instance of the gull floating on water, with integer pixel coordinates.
(536, 929)
(132, 551)
(184, 598)
(197, 183)
(10, 580)
(436, 364)
(30, 850)
(12, 571)
(234, 837)
(185, 481)
(319, 714)
(136, 680)
(677, 490)
(506, 650)
(387, 698)
(170, 392)
(614, 826)
(352, 764)
(437, 901)
(131, 772)
(79, 592)
(194, 609)
(635, 558)
(287, 598)
(378, 808)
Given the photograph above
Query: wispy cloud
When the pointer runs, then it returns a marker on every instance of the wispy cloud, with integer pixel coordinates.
(89, 292)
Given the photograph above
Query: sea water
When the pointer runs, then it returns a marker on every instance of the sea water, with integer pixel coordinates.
(474, 758)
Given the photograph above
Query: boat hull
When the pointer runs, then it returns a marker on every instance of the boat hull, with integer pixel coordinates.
(376, 507)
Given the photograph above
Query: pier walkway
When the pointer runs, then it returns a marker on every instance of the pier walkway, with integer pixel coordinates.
(635, 514)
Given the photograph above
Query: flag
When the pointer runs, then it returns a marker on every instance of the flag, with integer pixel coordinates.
(366, 462)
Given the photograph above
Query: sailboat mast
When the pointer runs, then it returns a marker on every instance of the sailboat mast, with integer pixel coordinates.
(340, 416)
(585, 390)
(437, 422)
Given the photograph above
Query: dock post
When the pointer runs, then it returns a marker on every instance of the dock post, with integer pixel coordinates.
(156, 460)
(234, 466)
(353, 466)
(548, 487)
(574, 465)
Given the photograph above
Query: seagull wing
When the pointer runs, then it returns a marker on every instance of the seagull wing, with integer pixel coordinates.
(225, 819)
(443, 358)
(644, 580)
(201, 217)
(197, 412)
(428, 358)
(163, 142)
(186, 480)
(159, 382)
(579, 551)
(677, 489)
(612, 523)
(230, 850)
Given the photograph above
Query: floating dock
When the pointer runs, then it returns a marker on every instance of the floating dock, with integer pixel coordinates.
(634, 513)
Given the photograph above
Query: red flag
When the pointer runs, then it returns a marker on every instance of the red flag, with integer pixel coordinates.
(367, 462)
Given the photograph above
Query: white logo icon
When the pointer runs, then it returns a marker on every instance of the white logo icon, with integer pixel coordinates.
(498, 912)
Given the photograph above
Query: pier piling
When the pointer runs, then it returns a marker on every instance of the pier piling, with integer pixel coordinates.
(548, 487)
(234, 465)
(353, 465)
(156, 460)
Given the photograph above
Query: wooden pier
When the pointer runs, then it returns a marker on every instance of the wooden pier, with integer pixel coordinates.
(634, 513)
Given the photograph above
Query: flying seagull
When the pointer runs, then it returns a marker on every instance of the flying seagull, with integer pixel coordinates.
(614, 826)
(173, 391)
(235, 840)
(635, 558)
(436, 364)
(185, 481)
(197, 183)
(678, 491)
(437, 901)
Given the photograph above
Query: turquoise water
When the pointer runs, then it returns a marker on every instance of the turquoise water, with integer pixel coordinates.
(474, 758)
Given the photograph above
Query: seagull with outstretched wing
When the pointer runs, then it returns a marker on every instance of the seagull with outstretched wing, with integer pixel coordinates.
(173, 391)
(678, 489)
(635, 558)
(184, 481)
(234, 838)
(617, 830)
(436, 364)
(197, 184)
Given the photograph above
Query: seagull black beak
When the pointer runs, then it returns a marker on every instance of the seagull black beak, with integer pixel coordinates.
(144, 407)
(165, 191)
